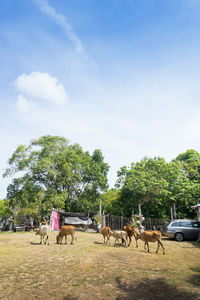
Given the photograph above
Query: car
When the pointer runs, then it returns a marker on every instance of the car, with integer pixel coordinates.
(19, 227)
(183, 230)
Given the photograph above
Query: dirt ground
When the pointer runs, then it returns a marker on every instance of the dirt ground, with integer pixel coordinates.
(91, 270)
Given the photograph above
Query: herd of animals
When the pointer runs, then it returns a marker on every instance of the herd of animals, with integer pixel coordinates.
(124, 235)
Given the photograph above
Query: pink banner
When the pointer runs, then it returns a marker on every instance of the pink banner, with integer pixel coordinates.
(55, 217)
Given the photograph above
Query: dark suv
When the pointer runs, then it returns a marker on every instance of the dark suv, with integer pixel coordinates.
(183, 230)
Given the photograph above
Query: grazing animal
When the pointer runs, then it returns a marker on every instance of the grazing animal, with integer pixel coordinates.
(42, 231)
(131, 232)
(119, 234)
(64, 231)
(105, 231)
(151, 236)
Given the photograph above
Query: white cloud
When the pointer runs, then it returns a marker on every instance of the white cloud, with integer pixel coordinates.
(23, 104)
(61, 20)
(40, 86)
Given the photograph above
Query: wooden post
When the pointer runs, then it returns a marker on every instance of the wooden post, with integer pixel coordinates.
(139, 208)
(103, 221)
(171, 210)
(122, 222)
(198, 214)
(100, 206)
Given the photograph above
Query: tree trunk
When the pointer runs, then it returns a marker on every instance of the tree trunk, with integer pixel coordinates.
(171, 210)
(174, 210)
(66, 202)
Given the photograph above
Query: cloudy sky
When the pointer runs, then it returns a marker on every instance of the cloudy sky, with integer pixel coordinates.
(122, 76)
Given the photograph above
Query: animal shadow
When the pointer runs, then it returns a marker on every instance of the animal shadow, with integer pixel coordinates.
(98, 243)
(69, 297)
(155, 289)
(33, 243)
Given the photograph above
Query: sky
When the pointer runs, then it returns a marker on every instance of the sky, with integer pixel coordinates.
(122, 76)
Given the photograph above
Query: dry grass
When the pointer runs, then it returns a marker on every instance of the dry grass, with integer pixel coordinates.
(90, 270)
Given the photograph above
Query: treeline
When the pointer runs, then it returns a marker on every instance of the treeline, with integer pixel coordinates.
(50, 172)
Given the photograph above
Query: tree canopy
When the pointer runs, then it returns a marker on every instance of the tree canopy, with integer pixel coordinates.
(50, 172)
(157, 185)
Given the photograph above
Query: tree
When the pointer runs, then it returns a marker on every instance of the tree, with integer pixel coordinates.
(110, 202)
(5, 211)
(191, 160)
(52, 173)
(144, 184)
(157, 186)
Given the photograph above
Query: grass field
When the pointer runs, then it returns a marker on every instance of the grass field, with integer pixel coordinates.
(91, 270)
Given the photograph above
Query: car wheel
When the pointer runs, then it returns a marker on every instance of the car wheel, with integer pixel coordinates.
(179, 237)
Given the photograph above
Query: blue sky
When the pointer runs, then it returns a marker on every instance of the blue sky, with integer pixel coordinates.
(118, 75)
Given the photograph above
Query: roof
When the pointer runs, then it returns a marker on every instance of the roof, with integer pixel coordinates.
(79, 215)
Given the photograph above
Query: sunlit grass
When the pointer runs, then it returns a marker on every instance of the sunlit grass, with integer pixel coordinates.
(91, 270)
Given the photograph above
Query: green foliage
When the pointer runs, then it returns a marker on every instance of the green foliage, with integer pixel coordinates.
(56, 174)
(5, 211)
(25, 213)
(97, 218)
(52, 173)
(191, 160)
(157, 185)
(110, 202)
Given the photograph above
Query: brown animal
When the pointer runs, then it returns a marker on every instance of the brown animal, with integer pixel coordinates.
(64, 231)
(151, 236)
(105, 231)
(131, 231)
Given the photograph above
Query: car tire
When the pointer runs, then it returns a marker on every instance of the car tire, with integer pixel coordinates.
(179, 237)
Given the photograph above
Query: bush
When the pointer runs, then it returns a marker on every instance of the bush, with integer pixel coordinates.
(26, 213)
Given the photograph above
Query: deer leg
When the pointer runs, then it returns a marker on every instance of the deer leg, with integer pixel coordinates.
(162, 247)
(158, 246)
(72, 241)
(129, 240)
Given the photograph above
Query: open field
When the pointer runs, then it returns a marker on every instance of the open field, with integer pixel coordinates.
(90, 270)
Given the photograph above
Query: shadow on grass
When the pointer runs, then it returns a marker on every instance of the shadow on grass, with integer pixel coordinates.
(99, 243)
(38, 244)
(195, 278)
(33, 243)
(69, 297)
(153, 289)
(194, 244)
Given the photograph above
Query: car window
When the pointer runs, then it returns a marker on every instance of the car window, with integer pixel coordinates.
(186, 224)
(196, 224)
(176, 224)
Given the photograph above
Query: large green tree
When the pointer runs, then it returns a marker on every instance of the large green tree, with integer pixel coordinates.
(157, 186)
(50, 172)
